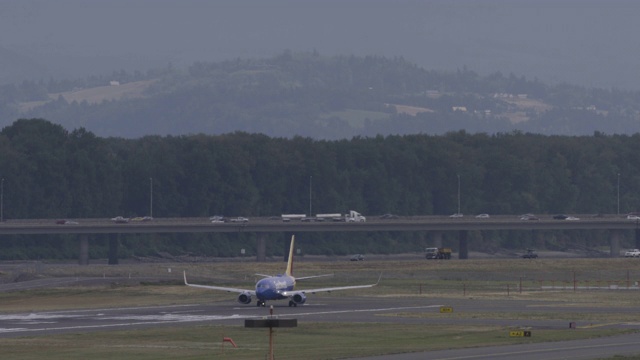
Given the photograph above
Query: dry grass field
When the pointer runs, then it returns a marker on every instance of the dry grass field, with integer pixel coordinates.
(96, 95)
(606, 281)
(612, 283)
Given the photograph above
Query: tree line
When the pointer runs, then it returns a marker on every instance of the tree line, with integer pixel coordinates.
(52, 173)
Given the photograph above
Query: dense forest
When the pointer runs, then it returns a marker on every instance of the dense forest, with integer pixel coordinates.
(331, 98)
(50, 172)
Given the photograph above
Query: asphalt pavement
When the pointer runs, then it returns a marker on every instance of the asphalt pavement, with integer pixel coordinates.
(346, 309)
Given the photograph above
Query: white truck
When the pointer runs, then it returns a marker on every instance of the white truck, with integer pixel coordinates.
(354, 216)
(289, 217)
(329, 217)
(351, 216)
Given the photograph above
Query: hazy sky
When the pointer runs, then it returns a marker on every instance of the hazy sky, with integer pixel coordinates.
(586, 42)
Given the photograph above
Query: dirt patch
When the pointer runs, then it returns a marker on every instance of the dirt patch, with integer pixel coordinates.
(519, 107)
(516, 117)
(409, 110)
(529, 104)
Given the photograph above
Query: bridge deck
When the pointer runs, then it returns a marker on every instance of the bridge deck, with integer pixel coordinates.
(413, 223)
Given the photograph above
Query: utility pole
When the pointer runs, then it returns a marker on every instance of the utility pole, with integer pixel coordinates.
(458, 193)
(310, 178)
(618, 193)
(2, 200)
(151, 197)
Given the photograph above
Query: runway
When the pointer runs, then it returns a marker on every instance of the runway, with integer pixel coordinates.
(228, 313)
(343, 310)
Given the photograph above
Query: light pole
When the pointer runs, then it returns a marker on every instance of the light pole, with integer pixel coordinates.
(2, 200)
(458, 193)
(618, 193)
(310, 178)
(150, 197)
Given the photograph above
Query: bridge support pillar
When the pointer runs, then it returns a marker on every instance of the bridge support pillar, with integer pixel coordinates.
(261, 248)
(84, 249)
(614, 243)
(113, 249)
(437, 239)
(463, 252)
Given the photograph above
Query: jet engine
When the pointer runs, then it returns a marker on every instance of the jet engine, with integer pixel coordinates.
(244, 298)
(299, 298)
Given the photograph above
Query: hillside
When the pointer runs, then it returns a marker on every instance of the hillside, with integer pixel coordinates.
(321, 97)
(93, 95)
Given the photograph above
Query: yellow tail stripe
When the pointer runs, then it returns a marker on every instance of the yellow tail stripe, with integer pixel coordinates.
(290, 260)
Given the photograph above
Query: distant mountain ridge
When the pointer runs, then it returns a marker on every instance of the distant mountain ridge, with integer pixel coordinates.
(590, 43)
(309, 95)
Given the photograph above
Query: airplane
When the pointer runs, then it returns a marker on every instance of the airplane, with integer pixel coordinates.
(278, 287)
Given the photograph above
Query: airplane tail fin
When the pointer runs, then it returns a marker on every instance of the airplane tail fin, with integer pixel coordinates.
(289, 271)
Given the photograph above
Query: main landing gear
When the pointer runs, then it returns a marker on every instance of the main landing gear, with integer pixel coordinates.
(262, 303)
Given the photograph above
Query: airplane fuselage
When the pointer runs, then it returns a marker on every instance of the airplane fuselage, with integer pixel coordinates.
(271, 288)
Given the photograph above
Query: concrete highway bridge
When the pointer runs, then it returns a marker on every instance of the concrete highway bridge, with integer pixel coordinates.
(616, 225)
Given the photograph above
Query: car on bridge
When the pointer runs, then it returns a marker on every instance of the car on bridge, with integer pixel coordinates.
(66, 222)
(632, 253)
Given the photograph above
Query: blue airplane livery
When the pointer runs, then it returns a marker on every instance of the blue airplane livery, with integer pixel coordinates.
(278, 287)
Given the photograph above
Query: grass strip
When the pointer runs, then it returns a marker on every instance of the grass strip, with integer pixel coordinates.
(311, 341)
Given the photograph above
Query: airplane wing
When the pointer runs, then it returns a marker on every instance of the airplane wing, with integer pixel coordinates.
(312, 277)
(221, 288)
(330, 289)
(297, 278)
